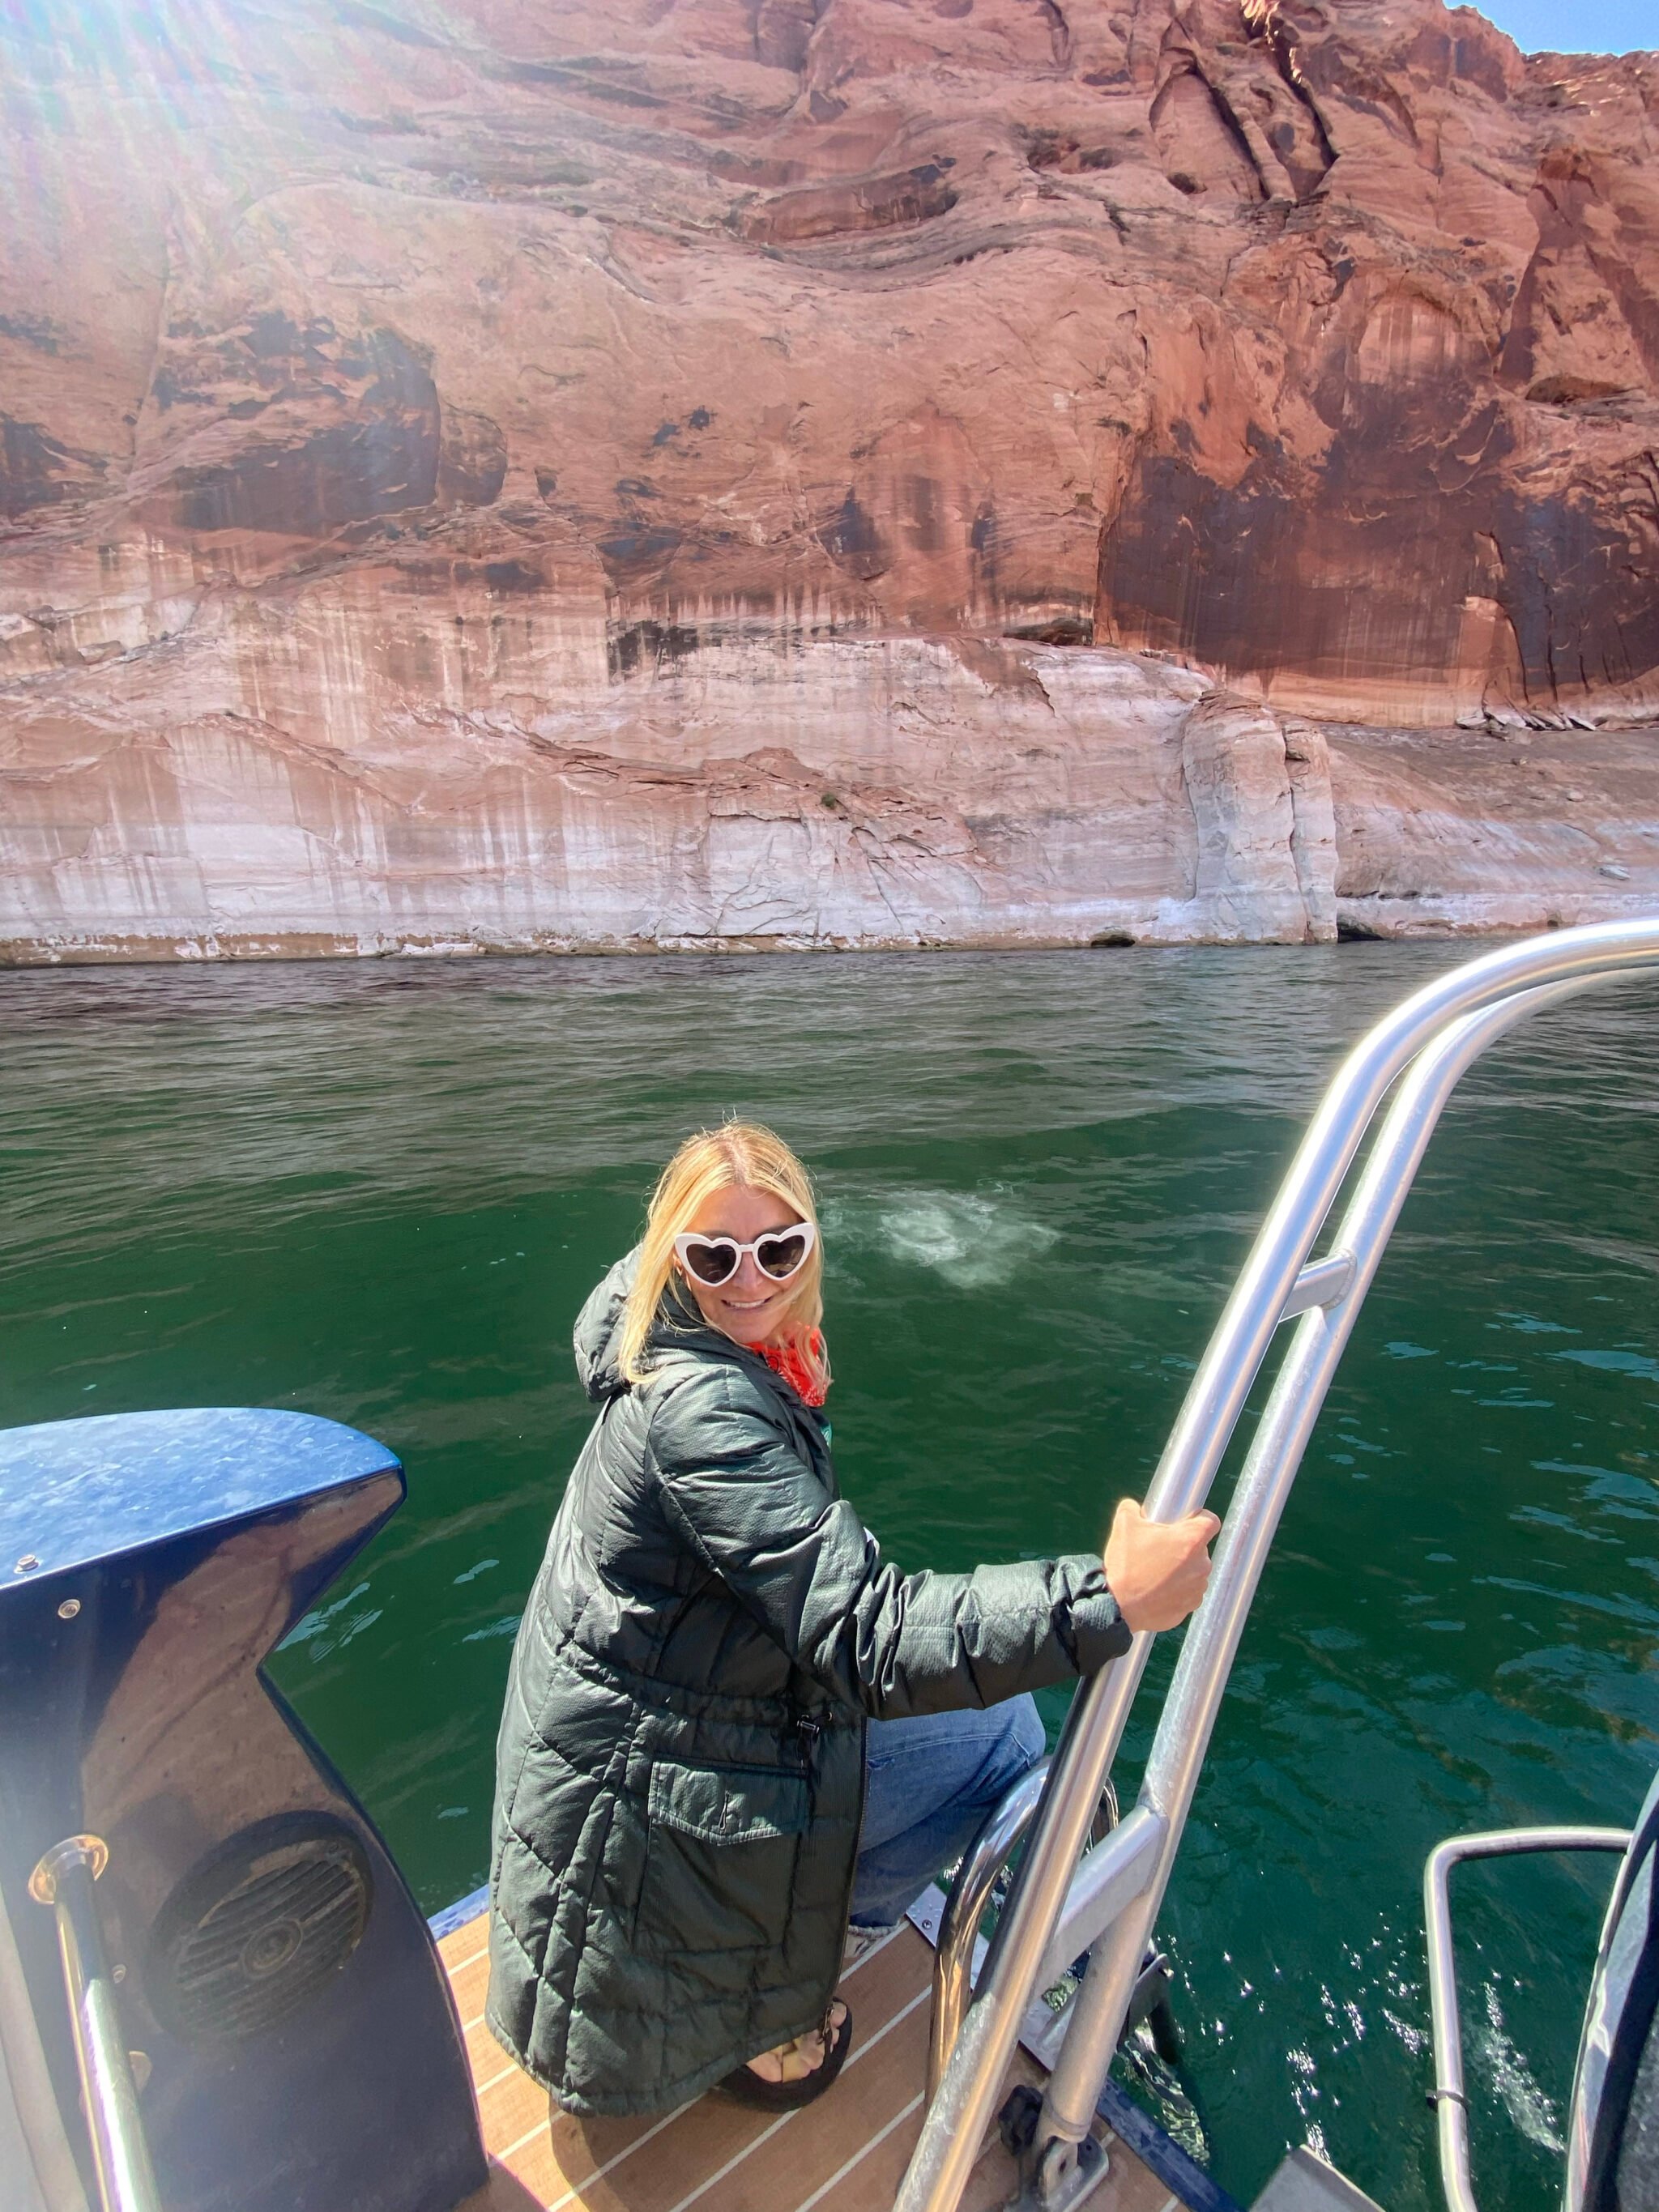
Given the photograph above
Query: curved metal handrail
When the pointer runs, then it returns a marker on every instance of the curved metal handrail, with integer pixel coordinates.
(1264, 1486)
(1450, 2103)
(1005, 1828)
(1447, 1023)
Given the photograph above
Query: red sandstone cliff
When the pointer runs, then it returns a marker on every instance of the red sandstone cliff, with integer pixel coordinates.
(689, 470)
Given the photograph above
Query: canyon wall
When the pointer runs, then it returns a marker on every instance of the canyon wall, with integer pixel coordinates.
(820, 471)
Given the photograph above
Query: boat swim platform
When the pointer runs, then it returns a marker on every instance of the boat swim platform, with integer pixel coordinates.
(846, 2152)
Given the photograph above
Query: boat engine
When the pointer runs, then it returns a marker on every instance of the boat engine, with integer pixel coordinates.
(216, 1991)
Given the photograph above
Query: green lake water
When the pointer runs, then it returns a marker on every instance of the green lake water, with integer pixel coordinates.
(381, 1191)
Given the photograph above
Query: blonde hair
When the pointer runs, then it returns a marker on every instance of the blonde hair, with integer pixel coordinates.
(737, 1155)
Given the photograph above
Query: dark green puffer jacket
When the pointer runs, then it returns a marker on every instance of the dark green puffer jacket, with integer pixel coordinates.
(680, 1772)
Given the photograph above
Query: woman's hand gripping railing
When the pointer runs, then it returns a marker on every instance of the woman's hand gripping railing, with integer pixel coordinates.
(1127, 1876)
(63, 1880)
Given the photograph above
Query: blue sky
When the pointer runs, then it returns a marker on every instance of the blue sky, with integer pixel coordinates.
(1576, 26)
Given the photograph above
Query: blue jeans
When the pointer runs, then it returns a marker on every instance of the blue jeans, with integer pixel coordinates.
(929, 1784)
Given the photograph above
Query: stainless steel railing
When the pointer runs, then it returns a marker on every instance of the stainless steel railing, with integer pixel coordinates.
(1003, 1832)
(970, 1892)
(1108, 1904)
(1450, 2104)
(63, 1880)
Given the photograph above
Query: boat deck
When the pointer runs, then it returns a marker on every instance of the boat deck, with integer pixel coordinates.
(848, 2151)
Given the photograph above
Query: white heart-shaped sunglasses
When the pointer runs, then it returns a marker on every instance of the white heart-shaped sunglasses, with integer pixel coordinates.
(779, 1254)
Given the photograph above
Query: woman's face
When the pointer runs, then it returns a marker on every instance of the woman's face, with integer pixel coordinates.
(750, 1306)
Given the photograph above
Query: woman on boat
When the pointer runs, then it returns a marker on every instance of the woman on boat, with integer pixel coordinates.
(730, 1727)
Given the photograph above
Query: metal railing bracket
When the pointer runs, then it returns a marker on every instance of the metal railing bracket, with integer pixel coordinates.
(1112, 1876)
(1321, 1283)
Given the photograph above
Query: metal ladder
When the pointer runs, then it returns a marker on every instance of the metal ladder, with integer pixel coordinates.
(1061, 1905)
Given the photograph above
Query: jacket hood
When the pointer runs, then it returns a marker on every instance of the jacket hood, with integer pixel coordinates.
(596, 1337)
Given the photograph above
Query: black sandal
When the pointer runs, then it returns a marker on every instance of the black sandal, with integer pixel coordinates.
(746, 2087)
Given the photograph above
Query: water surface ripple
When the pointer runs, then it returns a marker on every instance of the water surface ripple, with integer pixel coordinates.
(380, 1191)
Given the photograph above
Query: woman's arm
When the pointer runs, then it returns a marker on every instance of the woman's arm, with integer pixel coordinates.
(740, 1496)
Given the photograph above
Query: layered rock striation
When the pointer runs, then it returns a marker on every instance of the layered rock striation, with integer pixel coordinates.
(821, 472)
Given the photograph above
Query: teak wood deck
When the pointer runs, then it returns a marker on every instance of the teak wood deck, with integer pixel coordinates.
(847, 2153)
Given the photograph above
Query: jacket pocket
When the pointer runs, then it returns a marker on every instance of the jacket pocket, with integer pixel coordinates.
(720, 1861)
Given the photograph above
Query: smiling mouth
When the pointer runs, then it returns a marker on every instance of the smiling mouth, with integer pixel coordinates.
(750, 1305)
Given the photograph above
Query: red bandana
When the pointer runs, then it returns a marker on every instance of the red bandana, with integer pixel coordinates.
(785, 1359)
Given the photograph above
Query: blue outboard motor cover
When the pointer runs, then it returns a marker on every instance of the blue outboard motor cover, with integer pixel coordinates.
(300, 2048)
(1613, 2148)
